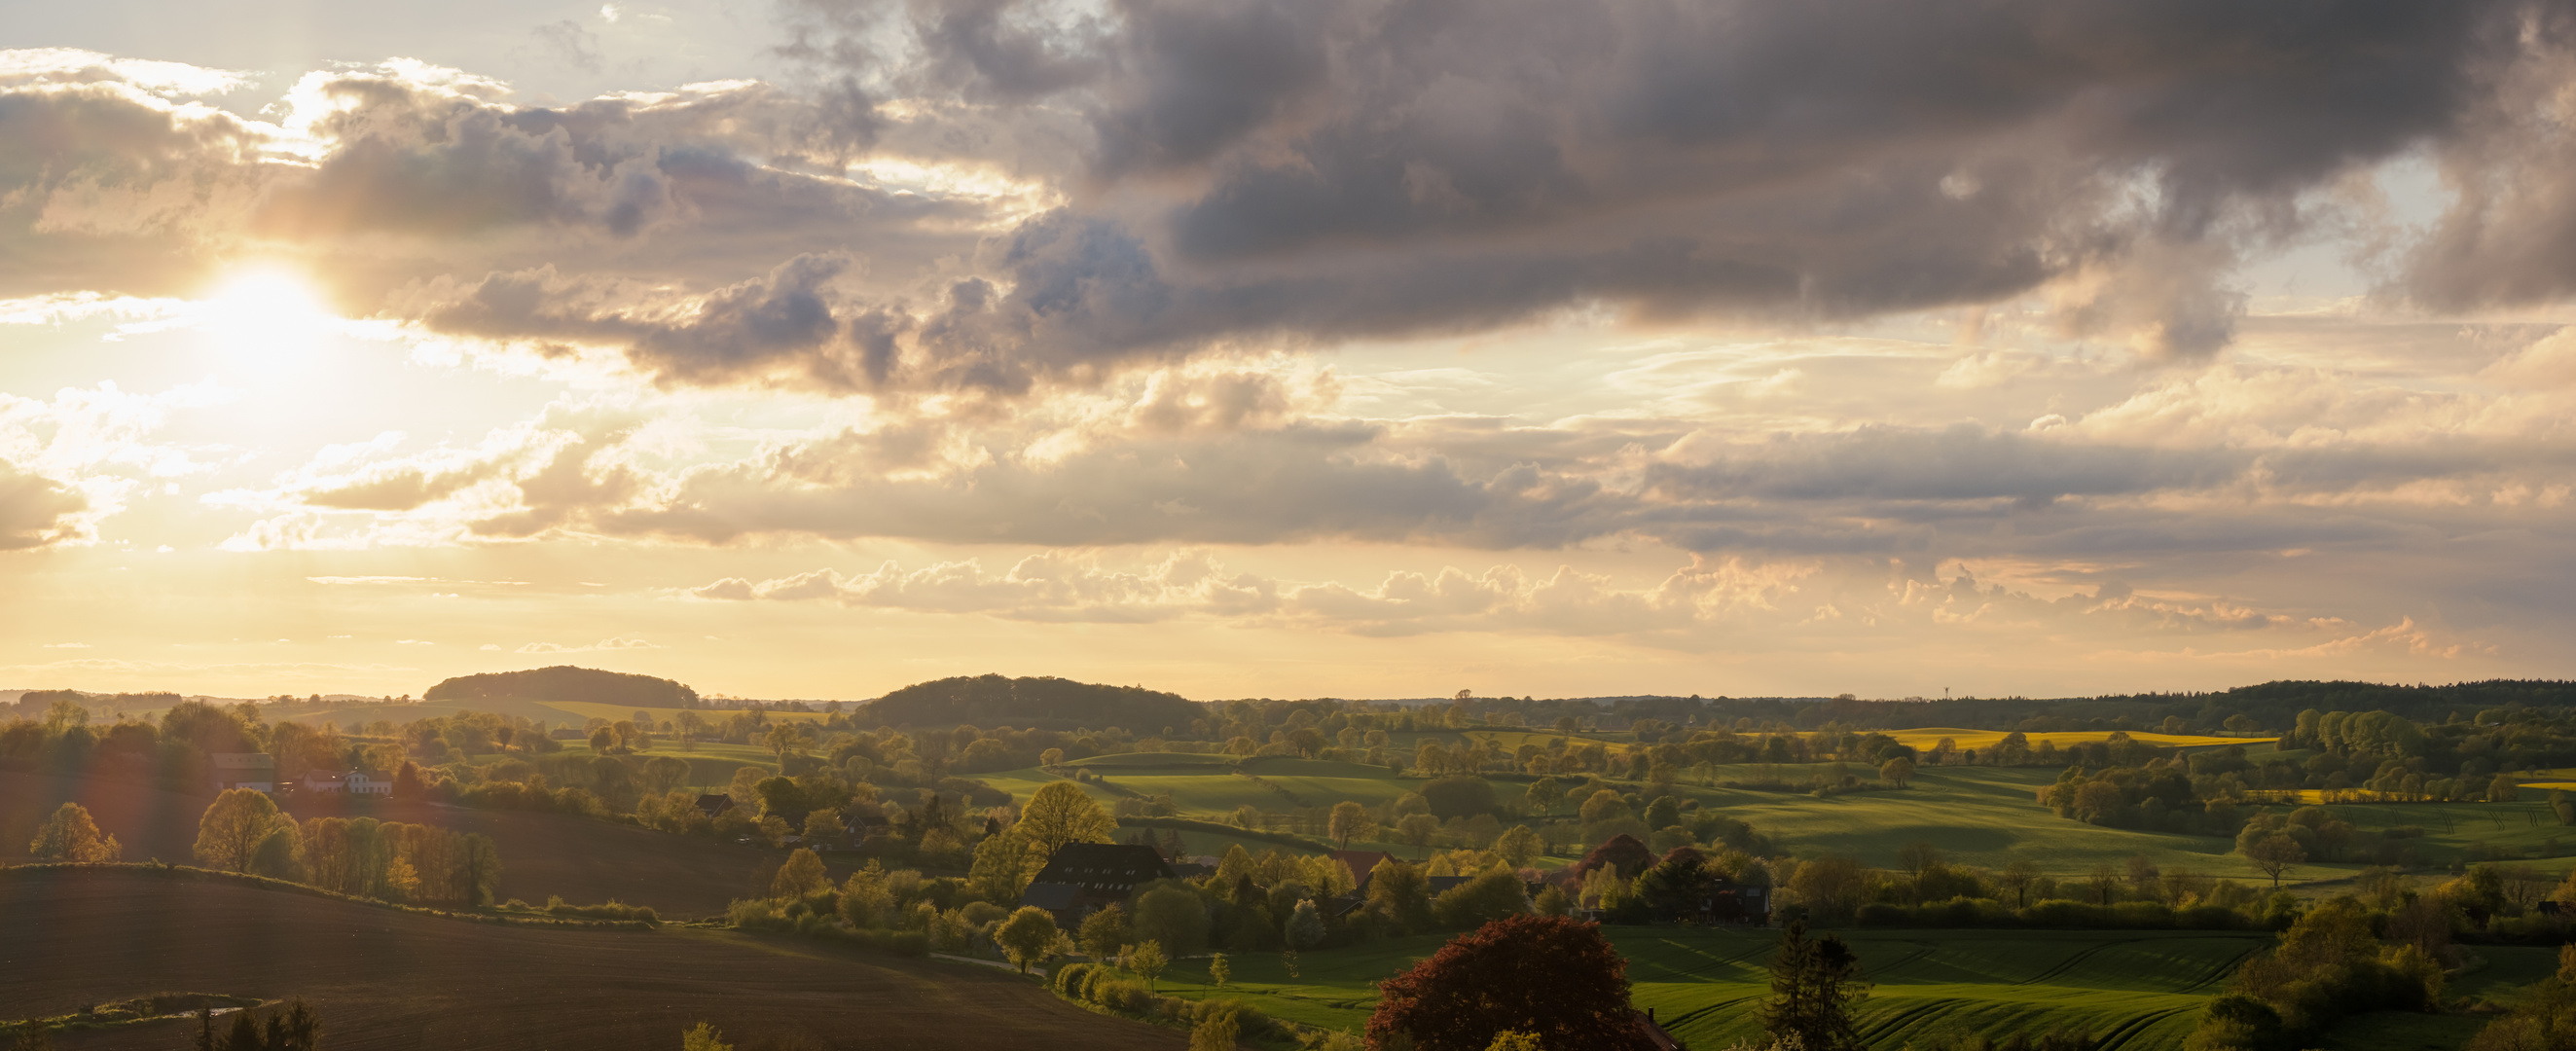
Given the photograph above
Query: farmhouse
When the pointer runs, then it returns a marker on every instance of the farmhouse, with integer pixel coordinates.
(714, 804)
(256, 771)
(348, 782)
(1084, 877)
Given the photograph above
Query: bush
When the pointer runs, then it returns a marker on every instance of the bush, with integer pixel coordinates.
(1070, 978)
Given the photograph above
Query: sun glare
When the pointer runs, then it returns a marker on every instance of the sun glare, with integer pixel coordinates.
(266, 320)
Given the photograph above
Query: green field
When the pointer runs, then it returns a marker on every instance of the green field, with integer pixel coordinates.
(2132, 990)
(1978, 815)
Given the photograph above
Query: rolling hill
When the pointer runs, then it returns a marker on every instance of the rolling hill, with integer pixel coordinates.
(1043, 703)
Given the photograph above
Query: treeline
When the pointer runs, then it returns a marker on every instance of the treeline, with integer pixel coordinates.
(244, 831)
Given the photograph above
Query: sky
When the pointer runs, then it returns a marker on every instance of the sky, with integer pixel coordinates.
(1287, 348)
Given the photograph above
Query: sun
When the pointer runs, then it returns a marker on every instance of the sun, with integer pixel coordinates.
(266, 321)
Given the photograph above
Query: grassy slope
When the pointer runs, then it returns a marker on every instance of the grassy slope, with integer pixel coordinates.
(2139, 990)
(384, 980)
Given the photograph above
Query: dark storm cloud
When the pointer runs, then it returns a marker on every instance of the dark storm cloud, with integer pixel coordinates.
(1336, 169)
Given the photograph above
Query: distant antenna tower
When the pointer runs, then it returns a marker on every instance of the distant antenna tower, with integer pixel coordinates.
(1945, 693)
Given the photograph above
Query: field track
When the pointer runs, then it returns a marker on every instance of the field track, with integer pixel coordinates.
(393, 981)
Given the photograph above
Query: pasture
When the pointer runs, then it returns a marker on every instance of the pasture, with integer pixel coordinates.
(385, 980)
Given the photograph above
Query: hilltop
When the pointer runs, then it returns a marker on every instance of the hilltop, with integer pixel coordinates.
(1043, 703)
(568, 683)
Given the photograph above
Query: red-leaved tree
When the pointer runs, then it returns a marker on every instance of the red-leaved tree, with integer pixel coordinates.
(1621, 852)
(1549, 976)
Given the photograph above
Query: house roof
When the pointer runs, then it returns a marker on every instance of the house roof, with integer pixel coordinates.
(1655, 1034)
(715, 802)
(1361, 862)
(1105, 866)
(1053, 897)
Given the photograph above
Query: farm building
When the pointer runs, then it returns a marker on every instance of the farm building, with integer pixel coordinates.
(348, 782)
(714, 804)
(256, 771)
(1084, 877)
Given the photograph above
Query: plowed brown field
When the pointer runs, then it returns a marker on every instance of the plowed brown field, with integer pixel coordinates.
(386, 980)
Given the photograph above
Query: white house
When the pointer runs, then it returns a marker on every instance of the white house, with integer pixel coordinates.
(256, 771)
(353, 782)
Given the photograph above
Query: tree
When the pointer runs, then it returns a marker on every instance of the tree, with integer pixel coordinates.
(1896, 771)
(1516, 1042)
(1029, 937)
(2274, 854)
(1350, 821)
(704, 1037)
(229, 833)
(1545, 793)
(822, 826)
(1518, 846)
(2504, 789)
(34, 1035)
(1557, 979)
(1602, 806)
(1417, 829)
(1552, 902)
(1216, 1031)
(1001, 870)
(407, 782)
(1492, 896)
(1220, 970)
(802, 875)
(1401, 893)
(1104, 932)
(1814, 985)
(1916, 858)
(70, 835)
(1147, 959)
(1173, 916)
(1305, 928)
(602, 739)
(2017, 877)
(1057, 814)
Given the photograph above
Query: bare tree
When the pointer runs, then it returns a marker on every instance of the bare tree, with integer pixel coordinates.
(2275, 854)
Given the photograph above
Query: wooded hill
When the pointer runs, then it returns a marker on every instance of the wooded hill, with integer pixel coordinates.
(568, 683)
(1040, 703)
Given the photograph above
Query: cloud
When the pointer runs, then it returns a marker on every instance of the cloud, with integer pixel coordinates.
(1336, 169)
(603, 645)
(1004, 198)
(37, 511)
